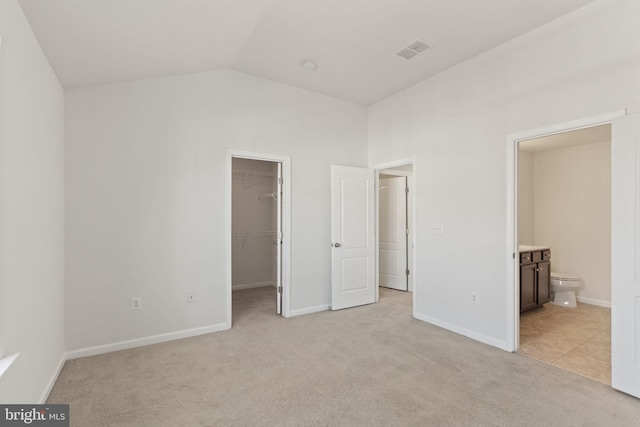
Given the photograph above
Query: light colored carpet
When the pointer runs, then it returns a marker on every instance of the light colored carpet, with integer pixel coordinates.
(367, 366)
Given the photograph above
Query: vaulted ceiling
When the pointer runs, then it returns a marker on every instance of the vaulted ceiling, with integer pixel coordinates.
(351, 42)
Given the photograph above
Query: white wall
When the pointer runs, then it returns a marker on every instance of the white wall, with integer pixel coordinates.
(145, 173)
(254, 255)
(32, 212)
(572, 214)
(525, 198)
(456, 124)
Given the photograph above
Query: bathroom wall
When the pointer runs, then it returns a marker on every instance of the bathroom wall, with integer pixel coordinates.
(525, 198)
(254, 255)
(572, 213)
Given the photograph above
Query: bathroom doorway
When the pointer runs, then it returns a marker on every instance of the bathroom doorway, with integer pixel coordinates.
(564, 216)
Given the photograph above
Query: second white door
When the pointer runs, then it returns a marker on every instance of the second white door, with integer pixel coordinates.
(625, 255)
(392, 208)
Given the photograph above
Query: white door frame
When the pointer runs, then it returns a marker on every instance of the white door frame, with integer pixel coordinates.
(286, 224)
(412, 229)
(512, 289)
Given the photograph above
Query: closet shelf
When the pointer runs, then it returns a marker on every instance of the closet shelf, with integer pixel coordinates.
(269, 196)
(248, 172)
(253, 233)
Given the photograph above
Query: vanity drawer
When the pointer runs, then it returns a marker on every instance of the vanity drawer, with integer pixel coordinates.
(546, 255)
(525, 258)
(536, 256)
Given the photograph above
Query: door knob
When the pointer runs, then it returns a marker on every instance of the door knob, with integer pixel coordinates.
(337, 245)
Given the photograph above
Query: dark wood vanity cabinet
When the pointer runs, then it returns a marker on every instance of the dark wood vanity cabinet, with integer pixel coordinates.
(535, 279)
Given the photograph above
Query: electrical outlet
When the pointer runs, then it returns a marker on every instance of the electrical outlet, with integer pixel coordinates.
(136, 303)
(474, 297)
(191, 296)
(437, 229)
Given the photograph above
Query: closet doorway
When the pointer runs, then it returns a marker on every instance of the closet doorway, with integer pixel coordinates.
(257, 219)
(395, 231)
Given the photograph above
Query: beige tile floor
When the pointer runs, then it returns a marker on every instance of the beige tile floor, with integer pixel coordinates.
(575, 339)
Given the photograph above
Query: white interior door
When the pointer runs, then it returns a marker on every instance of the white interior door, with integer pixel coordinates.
(392, 209)
(625, 255)
(278, 240)
(352, 234)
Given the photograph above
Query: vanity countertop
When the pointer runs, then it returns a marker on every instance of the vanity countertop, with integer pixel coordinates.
(531, 248)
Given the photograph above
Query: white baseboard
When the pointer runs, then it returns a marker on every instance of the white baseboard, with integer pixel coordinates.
(252, 285)
(502, 345)
(52, 381)
(139, 342)
(592, 301)
(309, 310)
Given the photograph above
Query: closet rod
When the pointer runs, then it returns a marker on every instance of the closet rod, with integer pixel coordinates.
(248, 172)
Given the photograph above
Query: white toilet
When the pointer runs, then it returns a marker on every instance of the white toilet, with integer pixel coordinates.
(563, 288)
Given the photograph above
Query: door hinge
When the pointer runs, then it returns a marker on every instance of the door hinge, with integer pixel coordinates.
(406, 190)
(280, 180)
(279, 289)
(514, 255)
(406, 231)
(407, 272)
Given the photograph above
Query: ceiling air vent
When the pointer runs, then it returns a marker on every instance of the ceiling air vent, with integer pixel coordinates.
(413, 50)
